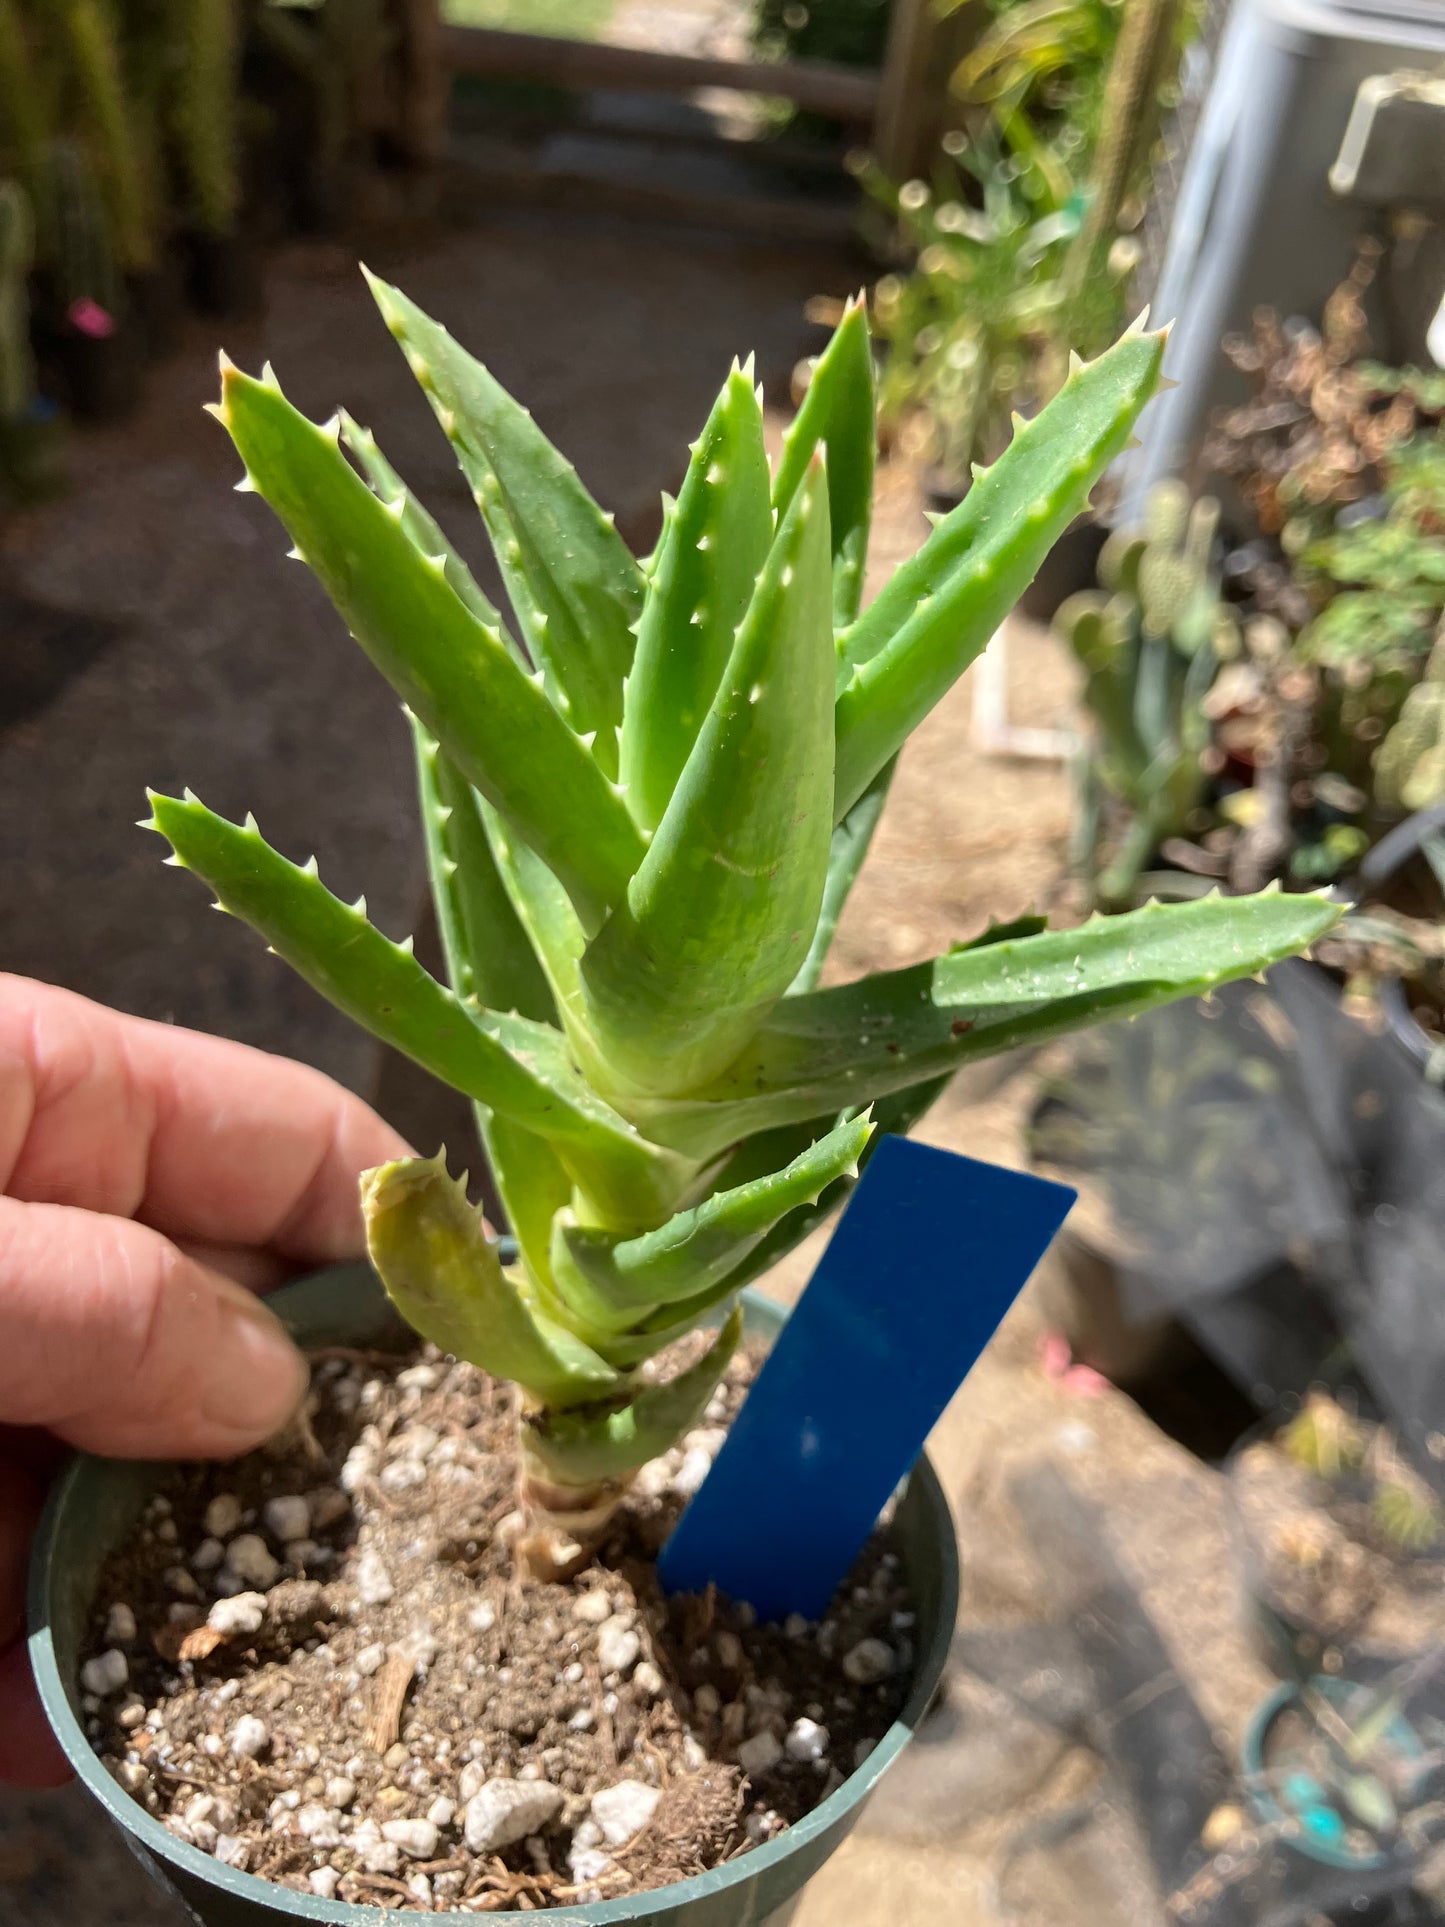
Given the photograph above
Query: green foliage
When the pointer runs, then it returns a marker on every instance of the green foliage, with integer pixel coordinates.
(1410, 763)
(1018, 241)
(635, 889)
(966, 326)
(1150, 642)
(207, 110)
(114, 130)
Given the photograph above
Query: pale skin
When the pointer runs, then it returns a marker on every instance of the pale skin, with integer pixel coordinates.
(154, 1180)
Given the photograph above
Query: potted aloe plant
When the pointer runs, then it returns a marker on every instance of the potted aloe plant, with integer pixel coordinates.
(645, 799)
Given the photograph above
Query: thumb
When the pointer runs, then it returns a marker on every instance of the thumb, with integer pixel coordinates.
(115, 1339)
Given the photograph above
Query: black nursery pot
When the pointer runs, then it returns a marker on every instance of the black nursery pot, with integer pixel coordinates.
(1396, 872)
(225, 274)
(97, 1502)
(102, 374)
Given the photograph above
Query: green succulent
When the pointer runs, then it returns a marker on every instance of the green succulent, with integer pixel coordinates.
(1150, 641)
(644, 801)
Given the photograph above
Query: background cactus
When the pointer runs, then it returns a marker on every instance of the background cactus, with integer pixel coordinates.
(1150, 643)
(643, 800)
(115, 132)
(207, 110)
(1410, 763)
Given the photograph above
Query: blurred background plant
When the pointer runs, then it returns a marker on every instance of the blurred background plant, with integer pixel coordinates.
(1018, 246)
(1150, 641)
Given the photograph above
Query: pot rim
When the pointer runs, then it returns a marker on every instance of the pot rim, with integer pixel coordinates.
(1261, 1720)
(157, 1840)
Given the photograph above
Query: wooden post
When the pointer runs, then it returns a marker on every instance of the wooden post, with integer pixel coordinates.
(425, 82)
(915, 107)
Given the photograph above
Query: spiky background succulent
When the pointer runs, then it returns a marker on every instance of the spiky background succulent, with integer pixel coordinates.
(644, 807)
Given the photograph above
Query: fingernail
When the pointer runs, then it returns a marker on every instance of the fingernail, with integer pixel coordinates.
(257, 1377)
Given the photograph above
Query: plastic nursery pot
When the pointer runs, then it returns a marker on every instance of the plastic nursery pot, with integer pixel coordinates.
(96, 1502)
(1291, 1799)
(226, 274)
(1396, 871)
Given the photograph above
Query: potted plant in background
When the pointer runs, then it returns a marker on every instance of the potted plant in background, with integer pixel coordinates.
(644, 807)
(1150, 641)
(1339, 1539)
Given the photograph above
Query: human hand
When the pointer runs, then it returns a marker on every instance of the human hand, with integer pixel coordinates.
(154, 1180)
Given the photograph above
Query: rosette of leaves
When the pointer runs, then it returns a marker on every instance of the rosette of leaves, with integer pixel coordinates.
(646, 794)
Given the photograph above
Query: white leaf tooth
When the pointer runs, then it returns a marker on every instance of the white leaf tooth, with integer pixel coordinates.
(245, 486)
(294, 555)
(407, 945)
(1076, 362)
(311, 868)
(1140, 322)
(359, 907)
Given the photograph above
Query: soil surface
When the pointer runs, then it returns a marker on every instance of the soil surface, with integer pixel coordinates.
(320, 1665)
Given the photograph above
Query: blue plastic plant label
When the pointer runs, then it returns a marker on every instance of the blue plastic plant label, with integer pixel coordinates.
(928, 1256)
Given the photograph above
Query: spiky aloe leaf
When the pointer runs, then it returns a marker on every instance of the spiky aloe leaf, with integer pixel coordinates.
(613, 1282)
(715, 541)
(533, 1184)
(517, 1068)
(575, 587)
(580, 1448)
(940, 609)
(831, 1048)
(851, 840)
(452, 670)
(418, 522)
(838, 413)
(717, 919)
(431, 1253)
(490, 959)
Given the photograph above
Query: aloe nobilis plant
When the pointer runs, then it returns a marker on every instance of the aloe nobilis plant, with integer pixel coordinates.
(645, 796)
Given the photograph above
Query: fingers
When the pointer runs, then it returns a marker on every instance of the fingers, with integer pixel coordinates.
(29, 1752)
(203, 1139)
(122, 1344)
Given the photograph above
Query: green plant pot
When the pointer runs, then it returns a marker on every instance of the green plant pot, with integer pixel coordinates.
(96, 1502)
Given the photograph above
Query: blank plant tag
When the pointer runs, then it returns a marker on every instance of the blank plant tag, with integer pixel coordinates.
(928, 1256)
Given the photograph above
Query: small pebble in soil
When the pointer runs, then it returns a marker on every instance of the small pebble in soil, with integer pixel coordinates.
(238, 1616)
(249, 1736)
(324, 1881)
(623, 1810)
(287, 1519)
(373, 1581)
(416, 1838)
(761, 1752)
(617, 1646)
(482, 1617)
(120, 1626)
(505, 1811)
(869, 1661)
(106, 1673)
(594, 1607)
(223, 1515)
(207, 1555)
(251, 1560)
(688, 1478)
(648, 1680)
(806, 1740)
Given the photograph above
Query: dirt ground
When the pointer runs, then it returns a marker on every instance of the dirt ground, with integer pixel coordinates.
(221, 667)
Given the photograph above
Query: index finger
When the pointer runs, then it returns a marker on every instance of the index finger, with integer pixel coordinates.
(196, 1136)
